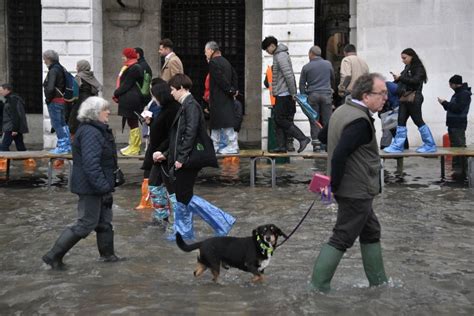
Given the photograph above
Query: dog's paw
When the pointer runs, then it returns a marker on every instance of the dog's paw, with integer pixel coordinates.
(257, 278)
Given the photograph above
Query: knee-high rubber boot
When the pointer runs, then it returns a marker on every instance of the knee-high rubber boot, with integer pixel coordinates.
(373, 263)
(183, 222)
(105, 245)
(429, 145)
(63, 244)
(135, 141)
(298, 134)
(145, 200)
(159, 199)
(219, 220)
(398, 141)
(325, 267)
(67, 139)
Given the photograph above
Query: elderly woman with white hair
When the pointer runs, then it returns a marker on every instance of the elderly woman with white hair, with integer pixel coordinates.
(93, 180)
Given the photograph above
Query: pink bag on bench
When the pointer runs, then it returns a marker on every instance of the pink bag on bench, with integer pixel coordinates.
(319, 182)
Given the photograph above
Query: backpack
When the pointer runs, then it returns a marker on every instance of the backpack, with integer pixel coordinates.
(145, 88)
(71, 90)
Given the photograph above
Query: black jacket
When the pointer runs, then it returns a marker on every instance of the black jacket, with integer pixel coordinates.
(412, 79)
(222, 87)
(54, 80)
(159, 132)
(14, 116)
(458, 108)
(85, 91)
(184, 131)
(94, 159)
(130, 99)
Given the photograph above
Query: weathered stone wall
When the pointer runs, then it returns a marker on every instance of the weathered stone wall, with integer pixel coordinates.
(441, 32)
(292, 23)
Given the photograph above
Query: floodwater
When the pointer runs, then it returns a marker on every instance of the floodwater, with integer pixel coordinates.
(427, 238)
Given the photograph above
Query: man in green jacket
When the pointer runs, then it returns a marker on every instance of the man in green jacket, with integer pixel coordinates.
(354, 167)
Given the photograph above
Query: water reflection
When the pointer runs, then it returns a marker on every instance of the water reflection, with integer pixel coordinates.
(427, 233)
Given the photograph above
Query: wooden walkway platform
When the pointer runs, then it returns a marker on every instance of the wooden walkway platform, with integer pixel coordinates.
(255, 155)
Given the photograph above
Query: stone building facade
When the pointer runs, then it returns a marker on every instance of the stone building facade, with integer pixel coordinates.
(440, 31)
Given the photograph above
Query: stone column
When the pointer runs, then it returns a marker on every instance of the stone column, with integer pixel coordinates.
(74, 30)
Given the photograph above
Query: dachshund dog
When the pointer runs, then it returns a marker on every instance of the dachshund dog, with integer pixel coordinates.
(251, 254)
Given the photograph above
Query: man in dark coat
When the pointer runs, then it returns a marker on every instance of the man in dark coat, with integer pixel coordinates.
(14, 123)
(223, 90)
(456, 119)
(147, 73)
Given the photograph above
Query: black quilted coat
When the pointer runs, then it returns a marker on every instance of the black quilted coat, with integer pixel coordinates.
(94, 159)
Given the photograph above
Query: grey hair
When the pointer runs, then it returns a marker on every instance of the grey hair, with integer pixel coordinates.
(212, 46)
(315, 50)
(364, 84)
(51, 55)
(91, 108)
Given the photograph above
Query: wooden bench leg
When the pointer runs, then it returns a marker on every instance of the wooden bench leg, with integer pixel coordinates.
(7, 171)
(443, 171)
(50, 172)
(272, 161)
(70, 173)
(253, 167)
(470, 171)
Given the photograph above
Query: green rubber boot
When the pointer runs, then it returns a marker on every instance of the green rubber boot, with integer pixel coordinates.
(373, 263)
(325, 267)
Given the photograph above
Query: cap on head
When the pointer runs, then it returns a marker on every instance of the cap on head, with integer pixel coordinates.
(456, 79)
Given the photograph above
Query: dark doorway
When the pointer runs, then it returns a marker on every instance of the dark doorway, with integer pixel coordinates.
(24, 51)
(191, 24)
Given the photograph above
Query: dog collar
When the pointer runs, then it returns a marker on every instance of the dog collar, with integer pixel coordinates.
(264, 248)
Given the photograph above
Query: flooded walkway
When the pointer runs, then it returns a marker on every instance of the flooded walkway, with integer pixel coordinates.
(427, 238)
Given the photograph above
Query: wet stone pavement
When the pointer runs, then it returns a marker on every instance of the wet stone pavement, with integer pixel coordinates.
(427, 239)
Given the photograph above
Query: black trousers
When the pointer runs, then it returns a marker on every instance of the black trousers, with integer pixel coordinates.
(412, 110)
(355, 218)
(285, 109)
(181, 181)
(457, 138)
(94, 212)
(7, 140)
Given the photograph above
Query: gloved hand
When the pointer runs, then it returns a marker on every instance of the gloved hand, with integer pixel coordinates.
(107, 200)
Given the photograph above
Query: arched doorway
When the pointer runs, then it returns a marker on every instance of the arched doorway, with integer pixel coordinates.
(332, 31)
(191, 23)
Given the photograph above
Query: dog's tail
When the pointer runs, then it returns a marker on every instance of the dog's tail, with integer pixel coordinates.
(184, 246)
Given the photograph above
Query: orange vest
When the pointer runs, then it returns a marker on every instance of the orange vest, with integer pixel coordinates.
(269, 76)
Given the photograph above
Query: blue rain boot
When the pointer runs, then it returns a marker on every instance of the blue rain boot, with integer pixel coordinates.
(159, 200)
(67, 139)
(183, 222)
(398, 141)
(219, 220)
(429, 145)
(59, 147)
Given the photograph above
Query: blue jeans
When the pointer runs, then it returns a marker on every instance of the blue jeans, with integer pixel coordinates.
(8, 139)
(57, 117)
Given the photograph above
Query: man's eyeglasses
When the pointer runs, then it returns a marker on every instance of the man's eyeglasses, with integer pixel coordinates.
(381, 93)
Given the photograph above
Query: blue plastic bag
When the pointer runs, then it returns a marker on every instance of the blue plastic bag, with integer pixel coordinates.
(302, 100)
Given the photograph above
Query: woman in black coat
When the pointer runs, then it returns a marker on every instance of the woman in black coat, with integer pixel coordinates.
(185, 128)
(130, 99)
(93, 180)
(88, 86)
(163, 201)
(410, 83)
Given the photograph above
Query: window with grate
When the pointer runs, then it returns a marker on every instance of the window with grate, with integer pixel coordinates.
(191, 24)
(24, 51)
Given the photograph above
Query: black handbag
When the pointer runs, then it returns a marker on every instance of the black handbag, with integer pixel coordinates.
(203, 154)
(119, 177)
